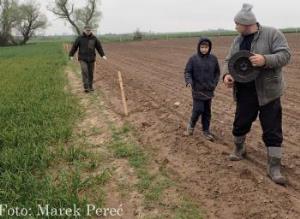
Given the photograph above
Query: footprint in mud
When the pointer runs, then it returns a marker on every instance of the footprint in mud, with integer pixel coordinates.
(248, 174)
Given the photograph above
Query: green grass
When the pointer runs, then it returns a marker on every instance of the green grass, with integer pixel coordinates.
(187, 210)
(124, 148)
(36, 116)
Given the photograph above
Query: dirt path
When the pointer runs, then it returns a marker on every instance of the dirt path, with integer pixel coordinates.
(131, 179)
(153, 75)
(94, 133)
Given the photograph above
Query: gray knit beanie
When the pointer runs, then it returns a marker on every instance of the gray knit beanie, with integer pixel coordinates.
(245, 16)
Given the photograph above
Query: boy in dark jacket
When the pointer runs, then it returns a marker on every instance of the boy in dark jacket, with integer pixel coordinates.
(87, 44)
(202, 73)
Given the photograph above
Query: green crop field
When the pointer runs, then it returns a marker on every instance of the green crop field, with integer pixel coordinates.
(36, 116)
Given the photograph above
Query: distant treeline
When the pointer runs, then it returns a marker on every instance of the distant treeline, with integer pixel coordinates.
(153, 36)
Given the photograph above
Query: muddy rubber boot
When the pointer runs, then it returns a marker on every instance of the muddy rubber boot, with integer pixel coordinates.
(189, 129)
(239, 152)
(274, 165)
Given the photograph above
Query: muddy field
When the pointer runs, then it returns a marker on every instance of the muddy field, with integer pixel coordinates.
(153, 77)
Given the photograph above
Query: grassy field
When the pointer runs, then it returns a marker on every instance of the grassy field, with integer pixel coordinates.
(36, 116)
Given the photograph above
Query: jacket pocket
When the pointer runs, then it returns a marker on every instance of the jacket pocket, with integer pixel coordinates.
(272, 80)
(273, 86)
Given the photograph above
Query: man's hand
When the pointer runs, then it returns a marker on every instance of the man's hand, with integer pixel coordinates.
(257, 60)
(104, 57)
(228, 81)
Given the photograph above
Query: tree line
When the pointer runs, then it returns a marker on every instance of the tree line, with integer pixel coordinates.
(21, 21)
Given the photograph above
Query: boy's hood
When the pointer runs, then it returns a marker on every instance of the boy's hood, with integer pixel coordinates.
(201, 41)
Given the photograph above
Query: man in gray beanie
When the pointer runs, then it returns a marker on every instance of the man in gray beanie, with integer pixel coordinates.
(245, 16)
(262, 95)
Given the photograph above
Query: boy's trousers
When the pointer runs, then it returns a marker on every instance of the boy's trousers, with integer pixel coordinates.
(201, 108)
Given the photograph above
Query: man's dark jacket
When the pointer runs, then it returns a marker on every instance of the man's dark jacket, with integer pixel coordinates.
(87, 46)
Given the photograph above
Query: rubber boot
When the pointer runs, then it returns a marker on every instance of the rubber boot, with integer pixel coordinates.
(274, 165)
(239, 151)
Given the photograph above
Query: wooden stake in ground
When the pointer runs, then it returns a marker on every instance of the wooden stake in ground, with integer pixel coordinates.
(123, 94)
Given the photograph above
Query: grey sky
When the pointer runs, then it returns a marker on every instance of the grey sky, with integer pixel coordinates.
(123, 16)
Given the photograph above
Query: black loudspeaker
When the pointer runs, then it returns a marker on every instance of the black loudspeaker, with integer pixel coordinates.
(241, 68)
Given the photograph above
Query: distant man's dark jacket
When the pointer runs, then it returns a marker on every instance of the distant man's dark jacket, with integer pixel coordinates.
(87, 46)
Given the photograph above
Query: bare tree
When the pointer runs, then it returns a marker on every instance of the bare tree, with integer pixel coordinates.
(78, 18)
(25, 18)
(88, 15)
(8, 18)
(30, 20)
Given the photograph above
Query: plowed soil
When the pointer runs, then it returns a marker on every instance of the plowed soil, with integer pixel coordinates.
(153, 77)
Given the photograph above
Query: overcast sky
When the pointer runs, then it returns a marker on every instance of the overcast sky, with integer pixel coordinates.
(123, 16)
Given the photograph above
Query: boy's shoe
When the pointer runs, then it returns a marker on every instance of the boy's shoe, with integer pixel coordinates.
(91, 89)
(208, 135)
(86, 90)
(189, 129)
